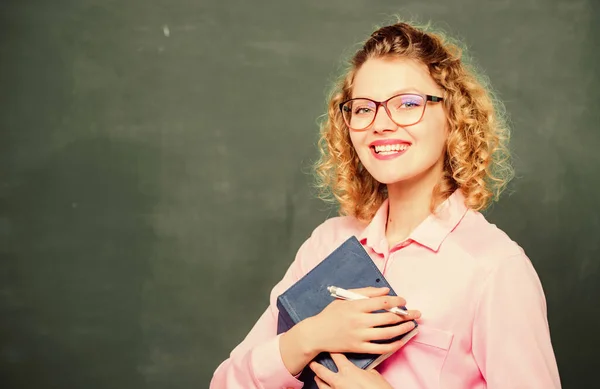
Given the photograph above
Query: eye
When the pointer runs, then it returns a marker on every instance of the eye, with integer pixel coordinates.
(410, 104)
(362, 110)
(406, 102)
(360, 107)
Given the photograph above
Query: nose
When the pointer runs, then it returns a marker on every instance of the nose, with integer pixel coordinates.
(382, 121)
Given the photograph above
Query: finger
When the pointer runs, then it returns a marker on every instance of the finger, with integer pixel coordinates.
(374, 372)
(341, 361)
(322, 372)
(321, 384)
(371, 291)
(380, 302)
(384, 333)
(389, 318)
(376, 348)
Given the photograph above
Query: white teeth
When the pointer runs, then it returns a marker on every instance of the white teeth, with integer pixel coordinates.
(391, 148)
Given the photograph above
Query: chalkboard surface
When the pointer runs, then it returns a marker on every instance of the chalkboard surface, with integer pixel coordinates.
(154, 153)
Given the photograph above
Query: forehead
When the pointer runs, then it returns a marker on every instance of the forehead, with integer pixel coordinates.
(380, 78)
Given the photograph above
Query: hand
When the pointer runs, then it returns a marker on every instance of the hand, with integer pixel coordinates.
(346, 326)
(350, 326)
(348, 376)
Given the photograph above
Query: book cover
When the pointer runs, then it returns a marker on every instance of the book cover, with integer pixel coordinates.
(348, 266)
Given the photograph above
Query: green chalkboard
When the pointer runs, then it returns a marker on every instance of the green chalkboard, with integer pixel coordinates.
(153, 153)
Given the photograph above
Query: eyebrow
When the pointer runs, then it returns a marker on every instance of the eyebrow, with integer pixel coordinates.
(395, 93)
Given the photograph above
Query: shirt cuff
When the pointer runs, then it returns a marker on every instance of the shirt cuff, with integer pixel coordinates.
(268, 367)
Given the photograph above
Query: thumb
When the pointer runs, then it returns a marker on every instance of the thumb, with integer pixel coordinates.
(341, 361)
(372, 291)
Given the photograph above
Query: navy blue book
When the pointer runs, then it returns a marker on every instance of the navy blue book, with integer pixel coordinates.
(349, 267)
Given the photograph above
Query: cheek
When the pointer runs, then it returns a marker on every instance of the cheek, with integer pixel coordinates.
(354, 138)
(435, 136)
(440, 141)
(357, 140)
(438, 147)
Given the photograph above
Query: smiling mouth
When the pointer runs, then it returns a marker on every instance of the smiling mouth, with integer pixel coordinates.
(390, 149)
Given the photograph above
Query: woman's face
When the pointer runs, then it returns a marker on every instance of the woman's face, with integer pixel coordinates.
(416, 150)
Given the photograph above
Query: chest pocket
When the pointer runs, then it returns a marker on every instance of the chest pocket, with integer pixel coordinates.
(433, 337)
(420, 362)
(429, 352)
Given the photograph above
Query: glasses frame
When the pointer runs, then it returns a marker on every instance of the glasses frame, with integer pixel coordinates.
(426, 98)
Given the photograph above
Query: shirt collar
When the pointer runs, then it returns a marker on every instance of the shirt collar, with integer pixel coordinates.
(430, 233)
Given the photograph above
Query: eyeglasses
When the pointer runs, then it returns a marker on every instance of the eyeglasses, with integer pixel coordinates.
(404, 109)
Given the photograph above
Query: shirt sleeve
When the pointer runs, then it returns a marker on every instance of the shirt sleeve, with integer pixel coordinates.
(256, 362)
(511, 337)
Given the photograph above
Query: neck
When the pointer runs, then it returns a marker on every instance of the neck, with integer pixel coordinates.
(410, 204)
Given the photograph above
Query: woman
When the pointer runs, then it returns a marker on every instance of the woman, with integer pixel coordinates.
(413, 147)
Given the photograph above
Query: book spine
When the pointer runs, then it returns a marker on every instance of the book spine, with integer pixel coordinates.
(285, 313)
(291, 313)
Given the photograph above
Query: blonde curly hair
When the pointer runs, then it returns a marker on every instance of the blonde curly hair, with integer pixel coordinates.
(477, 158)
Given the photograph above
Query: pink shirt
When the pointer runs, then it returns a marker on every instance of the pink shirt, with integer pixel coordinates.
(483, 324)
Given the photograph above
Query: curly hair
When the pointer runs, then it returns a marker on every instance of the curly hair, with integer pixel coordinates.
(477, 159)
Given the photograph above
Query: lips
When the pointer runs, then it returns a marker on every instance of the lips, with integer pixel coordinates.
(389, 148)
(381, 142)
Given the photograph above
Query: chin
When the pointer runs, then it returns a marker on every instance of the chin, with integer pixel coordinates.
(405, 172)
(392, 181)
(392, 177)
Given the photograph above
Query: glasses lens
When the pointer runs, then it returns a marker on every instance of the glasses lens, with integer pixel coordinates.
(359, 113)
(406, 109)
